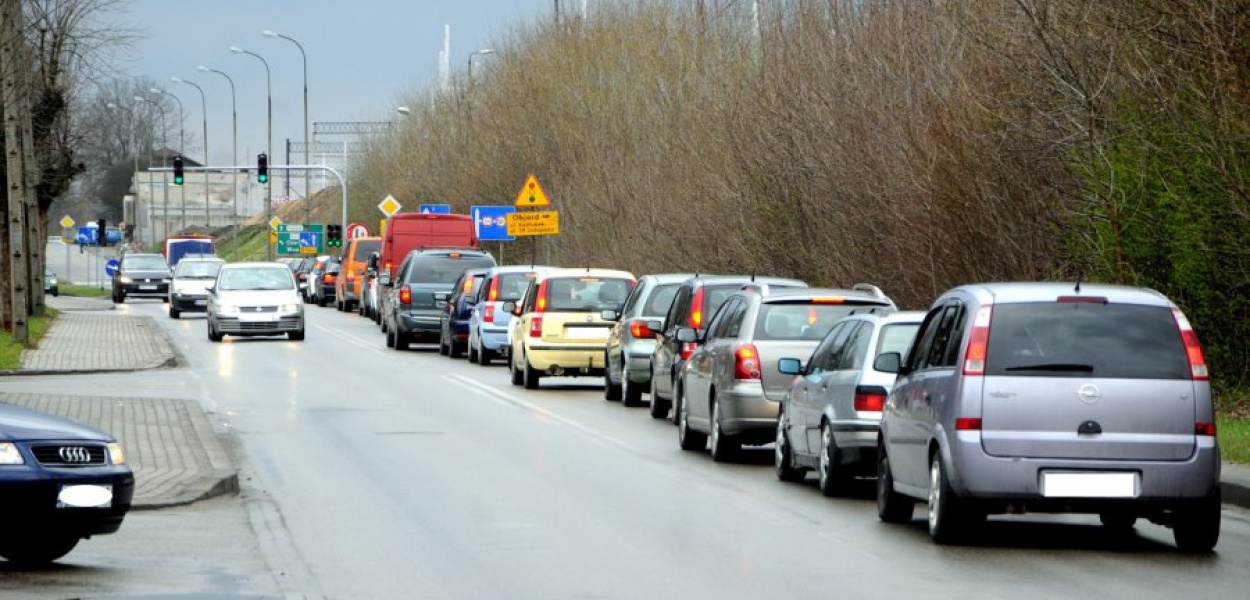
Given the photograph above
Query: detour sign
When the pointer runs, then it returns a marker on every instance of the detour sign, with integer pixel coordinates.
(534, 223)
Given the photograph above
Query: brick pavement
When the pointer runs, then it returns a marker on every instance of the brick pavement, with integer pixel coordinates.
(94, 342)
(170, 444)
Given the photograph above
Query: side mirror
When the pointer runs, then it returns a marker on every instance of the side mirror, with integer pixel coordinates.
(655, 325)
(790, 366)
(384, 278)
(511, 307)
(211, 289)
(610, 315)
(687, 335)
(373, 261)
(889, 362)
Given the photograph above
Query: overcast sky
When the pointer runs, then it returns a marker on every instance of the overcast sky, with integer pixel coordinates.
(363, 55)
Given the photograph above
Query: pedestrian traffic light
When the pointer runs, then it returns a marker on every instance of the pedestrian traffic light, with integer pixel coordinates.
(178, 172)
(334, 235)
(262, 168)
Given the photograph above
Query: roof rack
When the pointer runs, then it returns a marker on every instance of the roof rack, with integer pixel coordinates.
(870, 288)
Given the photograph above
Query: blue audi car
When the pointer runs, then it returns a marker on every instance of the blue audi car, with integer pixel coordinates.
(60, 482)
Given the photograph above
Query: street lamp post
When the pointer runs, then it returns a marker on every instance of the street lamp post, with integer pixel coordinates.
(164, 163)
(182, 145)
(307, 148)
(234, 113)
(483, 51)
(268, 142)
(208, 218)
(134, 149)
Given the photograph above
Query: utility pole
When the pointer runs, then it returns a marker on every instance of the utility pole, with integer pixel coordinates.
(12, 74)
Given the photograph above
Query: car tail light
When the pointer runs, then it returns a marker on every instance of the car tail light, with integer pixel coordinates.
(974, 359)
(746, 362)
(1082, 299)
(494, 289)
(351, 277)
(638, 330)
(536, 326)
(870, 398)
(1207, 429)
(829, 300)
(966, 424)
(468, 286)
(696, 309)
(329, 278)
(488, 313)
(388, 266)
(1197, 363)
(405, 295)
(687, 349)
(541, 304)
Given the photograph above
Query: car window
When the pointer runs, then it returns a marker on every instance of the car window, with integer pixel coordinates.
(510, 286)
(733, 324)
(851, 357)
(677, 312)
(587, 294)
(632, 300)
(924, 341)
(444, 269)
(531, 297)
(255, 279)
(1080, 339)
(896, 337)
(154, 263)
(717, 327)
(796, 321)
(937, 353)
(363, 248)
(197, 269)
(661, 299)
(820, 355)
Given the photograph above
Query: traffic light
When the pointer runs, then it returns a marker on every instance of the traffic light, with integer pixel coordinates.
(102, 232)
(262, 168)
(334, 235)
(178, 173)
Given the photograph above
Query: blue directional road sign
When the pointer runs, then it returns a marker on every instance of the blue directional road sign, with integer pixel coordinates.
(492, 223)
(434, 209)
(110, 267)
(309, 239)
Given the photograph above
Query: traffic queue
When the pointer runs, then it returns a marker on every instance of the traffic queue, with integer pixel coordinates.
(1069, 406)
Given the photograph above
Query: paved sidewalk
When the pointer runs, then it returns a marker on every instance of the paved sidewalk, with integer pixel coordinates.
(170, 444)
(97, 342)
(75, 303)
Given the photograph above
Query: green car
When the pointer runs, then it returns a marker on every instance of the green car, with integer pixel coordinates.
(49, 283)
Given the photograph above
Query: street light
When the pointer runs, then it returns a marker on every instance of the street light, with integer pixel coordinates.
(164, 163)
(307, 148)
(403, 110)
(134, 148)
(182, 145)
(483, 52)
(208, 218)
(268, 142)
(234, 113)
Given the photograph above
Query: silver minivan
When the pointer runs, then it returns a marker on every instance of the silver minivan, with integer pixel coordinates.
(1052, 397)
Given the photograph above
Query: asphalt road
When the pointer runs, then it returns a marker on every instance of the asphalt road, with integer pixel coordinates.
(372, 473)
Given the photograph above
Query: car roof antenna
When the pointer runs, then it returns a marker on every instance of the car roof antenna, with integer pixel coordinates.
(752, 275)
(1078, 283)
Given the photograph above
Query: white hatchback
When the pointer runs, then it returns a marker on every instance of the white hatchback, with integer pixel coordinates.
(255, 298)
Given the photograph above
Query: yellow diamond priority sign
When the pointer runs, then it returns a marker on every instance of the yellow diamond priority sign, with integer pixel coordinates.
(389, 205)
(532, 194)
(67, 222)
(534, 223)
(274, 223)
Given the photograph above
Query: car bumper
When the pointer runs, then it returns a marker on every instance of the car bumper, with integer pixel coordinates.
(235, 325)
(976, 474)
(29, 497)
(187, 303)
(566, 360)
(145, 289)
(745, 409)
(420, 323)
(494, 339)
(638, 362)
(328, 291)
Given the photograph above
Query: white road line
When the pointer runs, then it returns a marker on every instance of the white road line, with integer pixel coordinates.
(503, 397)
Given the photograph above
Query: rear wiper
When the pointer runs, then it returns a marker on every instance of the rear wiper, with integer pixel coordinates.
(1053, 367)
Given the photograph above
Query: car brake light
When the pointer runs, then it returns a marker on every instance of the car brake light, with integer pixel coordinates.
(1082, 299)
(494, 289)
(329, 278)
(351, 277)
(541, 304)
(1207, 429)
(638, 330)
(696, 309)
(405, 295)
(468, 286)
(966, 424)
(1197, 363)
(687, 349)
(870, 398)
(974, 359)
(488, 313)
(812, 317)
(536, 326)
(388, 266)
(829, 300)
(746, 362)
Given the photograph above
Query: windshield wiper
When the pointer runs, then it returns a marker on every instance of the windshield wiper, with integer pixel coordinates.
(1053, 367)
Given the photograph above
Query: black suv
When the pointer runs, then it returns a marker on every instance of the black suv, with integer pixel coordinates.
(409, 309)
(454, 322)
(695, 302)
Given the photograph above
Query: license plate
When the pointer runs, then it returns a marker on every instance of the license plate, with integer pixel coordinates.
(201, 302)
(147, 287)
(586, 333)
(1089, 485)
(85, 496)
(259, 318)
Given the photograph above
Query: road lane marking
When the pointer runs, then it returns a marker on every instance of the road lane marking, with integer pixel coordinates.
(503, 397)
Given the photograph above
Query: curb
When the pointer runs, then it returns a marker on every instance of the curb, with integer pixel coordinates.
(1236, 494)
(209, 486)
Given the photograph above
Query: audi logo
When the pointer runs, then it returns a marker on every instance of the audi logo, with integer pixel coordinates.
(75, 454)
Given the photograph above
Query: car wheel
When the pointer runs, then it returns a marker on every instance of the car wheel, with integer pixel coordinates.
(296, 336)
(687, 438)
(173, 312)
(514, 372)
(390, 338)
(321, 301)
(402, 340)
(531, 375)
(454, 350)
(484, 354)
(213, 336)
(945, 509)
(783, 461)
(611, 391)
(631, 394)
(724, 447)
(892, 507)
(443, 348)
(833, 478)
(38, 550)
(1197, 526)
(165, 299)
(472, 352)
(659, 408)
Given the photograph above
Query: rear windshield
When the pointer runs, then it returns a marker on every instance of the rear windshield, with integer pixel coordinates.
(197, 269)
(897, 338)
(363, 249)
(661, 299)
(511, 286)
(264, 278)
(445, 269)
(713, 297)
(587, 294)
(795, 321)
(1076, 339)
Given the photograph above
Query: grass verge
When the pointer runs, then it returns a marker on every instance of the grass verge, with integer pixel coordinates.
(11, 352)
(86, 291)
(1232, 410)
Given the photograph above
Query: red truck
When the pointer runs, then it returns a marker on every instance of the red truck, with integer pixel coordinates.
(409, 231)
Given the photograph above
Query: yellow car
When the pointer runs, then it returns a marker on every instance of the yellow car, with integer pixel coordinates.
(560, 327)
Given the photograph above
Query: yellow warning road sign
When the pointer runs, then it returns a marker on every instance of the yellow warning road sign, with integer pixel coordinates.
(534, 223)
(532, 194)
(273, 238)
(389, 205)
(67, 222)
(274, 223)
